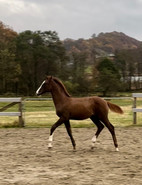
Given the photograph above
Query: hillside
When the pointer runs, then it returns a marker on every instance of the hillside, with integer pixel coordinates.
(104, 43)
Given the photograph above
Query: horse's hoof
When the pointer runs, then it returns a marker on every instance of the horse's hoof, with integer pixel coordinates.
(117, 150)
(74, 149)
(92, 147)
(49, 148)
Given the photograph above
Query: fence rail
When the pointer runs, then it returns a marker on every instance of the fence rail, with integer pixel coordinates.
(42, 111)
(134, 109)
(13, 101)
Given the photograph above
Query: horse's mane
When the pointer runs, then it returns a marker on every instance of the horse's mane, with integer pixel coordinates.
(61, 85)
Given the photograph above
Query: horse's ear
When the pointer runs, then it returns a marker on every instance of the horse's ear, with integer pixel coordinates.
(50, 78)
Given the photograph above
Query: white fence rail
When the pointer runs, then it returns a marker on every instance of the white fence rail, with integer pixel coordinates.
(134, 109)
(13, 101)
(19, 113)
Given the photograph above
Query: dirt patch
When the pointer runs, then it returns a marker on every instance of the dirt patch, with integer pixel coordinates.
(26, 160)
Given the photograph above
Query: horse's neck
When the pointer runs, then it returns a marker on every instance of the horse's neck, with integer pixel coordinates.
(58, 95)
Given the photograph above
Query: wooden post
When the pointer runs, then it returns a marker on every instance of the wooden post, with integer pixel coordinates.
(135, 109)
(134, 113)
(21, 121)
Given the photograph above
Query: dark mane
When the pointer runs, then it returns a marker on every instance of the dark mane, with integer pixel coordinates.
(61, 85)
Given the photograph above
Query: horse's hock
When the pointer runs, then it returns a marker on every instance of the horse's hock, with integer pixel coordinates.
(13, 101)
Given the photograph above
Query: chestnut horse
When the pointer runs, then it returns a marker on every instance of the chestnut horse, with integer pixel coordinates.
(69, 108)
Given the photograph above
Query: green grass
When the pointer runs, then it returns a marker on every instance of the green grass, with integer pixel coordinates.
(43, 114)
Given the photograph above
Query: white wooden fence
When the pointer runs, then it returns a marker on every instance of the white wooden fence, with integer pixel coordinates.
(135, 109)
(13, 102)
(20, 113)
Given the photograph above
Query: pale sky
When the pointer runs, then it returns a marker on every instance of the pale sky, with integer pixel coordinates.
(74, 18)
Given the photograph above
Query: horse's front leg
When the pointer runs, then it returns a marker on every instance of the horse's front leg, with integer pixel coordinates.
(57, 124)
(69, 131)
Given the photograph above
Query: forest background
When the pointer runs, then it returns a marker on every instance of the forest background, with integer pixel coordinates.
(106, 63)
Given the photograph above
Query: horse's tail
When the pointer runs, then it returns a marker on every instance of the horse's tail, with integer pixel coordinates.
(114, 108)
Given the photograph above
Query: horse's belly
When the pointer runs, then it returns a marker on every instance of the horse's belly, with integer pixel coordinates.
(80, 115)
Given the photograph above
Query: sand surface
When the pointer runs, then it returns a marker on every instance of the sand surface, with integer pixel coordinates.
(26, 160)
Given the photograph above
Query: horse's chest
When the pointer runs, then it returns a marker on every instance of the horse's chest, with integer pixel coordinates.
(59, 113)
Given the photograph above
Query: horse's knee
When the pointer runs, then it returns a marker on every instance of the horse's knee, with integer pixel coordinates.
(101, 126)
(52, 129)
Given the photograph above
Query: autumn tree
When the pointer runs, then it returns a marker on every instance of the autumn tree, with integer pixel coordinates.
(9, 69)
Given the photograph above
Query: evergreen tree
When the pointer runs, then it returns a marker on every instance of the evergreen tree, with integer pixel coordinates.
(39, 54)
(108, 79)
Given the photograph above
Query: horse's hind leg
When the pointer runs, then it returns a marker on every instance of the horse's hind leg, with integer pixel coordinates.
(112, 131)
(100, 127)
(69, 131)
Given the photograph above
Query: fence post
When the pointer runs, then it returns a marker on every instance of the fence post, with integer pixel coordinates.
(135, 109)
(134, 113)
(21, 121)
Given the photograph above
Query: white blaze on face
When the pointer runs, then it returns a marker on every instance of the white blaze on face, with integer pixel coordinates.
(40, 87)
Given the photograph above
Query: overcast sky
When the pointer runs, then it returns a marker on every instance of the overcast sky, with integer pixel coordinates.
(74, 18)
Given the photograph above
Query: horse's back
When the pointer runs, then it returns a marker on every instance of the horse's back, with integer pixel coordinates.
(87, 106)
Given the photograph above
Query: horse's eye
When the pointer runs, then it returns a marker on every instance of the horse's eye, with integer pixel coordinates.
(44, 85)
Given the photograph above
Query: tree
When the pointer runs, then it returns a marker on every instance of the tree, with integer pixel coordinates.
(130, 65)
(108, 77)
(78, 72)
(9, 70)
(39, 54)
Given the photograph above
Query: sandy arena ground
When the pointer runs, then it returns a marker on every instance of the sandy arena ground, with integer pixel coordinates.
(26, 160)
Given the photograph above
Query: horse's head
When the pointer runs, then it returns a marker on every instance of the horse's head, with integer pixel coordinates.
(45, 86)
